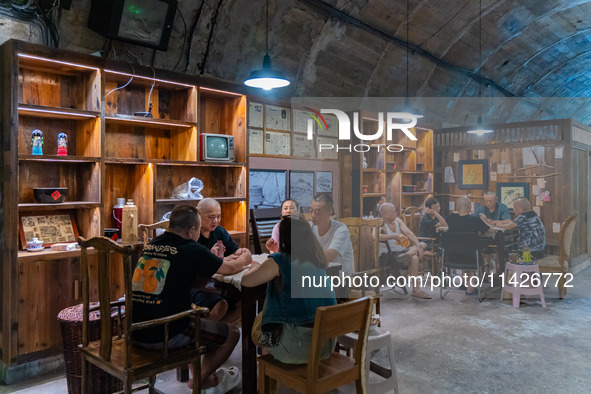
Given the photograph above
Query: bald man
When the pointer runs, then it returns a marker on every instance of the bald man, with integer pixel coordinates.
(531, 229)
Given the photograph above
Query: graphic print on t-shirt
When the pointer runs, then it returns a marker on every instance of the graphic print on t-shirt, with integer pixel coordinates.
(149, 275)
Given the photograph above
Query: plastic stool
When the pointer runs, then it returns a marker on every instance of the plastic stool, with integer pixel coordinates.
(524, 286)
(377, 339)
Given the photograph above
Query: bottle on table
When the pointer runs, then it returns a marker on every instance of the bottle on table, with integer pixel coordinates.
(129, 222)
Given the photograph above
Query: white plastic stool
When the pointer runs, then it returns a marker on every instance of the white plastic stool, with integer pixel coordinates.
(523, 282)
(377, 339)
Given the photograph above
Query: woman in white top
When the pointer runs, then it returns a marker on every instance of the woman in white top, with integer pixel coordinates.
(288, 207)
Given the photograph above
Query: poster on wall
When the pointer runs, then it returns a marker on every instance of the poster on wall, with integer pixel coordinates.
(302, 146)
(278, 118)
(327, 153)
(301, 187)
(267, 188)
(324, 182)
(300, 121)
(49, 228)
(255, 142)
(255, 115)
(277, 143)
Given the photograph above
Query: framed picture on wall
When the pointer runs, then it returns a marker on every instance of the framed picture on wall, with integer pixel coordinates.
(323, 181)
(473, 174)
(301, 187)
(509, 191)
(267, 188)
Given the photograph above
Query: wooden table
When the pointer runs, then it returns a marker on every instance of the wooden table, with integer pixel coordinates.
(503, 242)
(251, 299)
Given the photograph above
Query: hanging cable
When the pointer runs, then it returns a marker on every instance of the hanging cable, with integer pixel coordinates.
(184, 39)
(128, 82)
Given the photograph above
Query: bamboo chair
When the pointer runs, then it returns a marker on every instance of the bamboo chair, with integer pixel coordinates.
(559, 264)
(366, 253)
(321, 376)
(117, 355)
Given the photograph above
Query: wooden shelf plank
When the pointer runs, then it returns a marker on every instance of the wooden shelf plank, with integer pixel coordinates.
(41, 111)
(236, 232)
(416, 193)
(198, 163)
(167, 201)
(148, 122)
(117, 160)
(59, 159)
(374, 195)
(48, 254)
(57, 206)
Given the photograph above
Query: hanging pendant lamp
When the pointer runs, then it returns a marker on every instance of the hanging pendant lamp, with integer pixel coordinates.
(480, 129)
(266, 78)
(407, 109)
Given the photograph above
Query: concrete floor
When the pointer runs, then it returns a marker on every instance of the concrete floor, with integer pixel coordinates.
(460, 345)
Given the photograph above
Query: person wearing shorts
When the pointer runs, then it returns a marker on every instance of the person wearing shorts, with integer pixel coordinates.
(393, 232)
(162, 286)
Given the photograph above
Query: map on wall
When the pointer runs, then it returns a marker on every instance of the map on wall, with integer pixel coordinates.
(267, 188)
(301, 187)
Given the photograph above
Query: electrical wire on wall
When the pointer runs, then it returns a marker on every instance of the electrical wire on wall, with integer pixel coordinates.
(24, 11)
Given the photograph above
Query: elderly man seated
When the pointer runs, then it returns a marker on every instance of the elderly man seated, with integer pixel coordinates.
(531, 229)
(492, 210)
(463, 222)
(210, 236)
(398, 235)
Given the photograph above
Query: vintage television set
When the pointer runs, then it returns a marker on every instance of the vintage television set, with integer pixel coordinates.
(217, 147)
(141, 22)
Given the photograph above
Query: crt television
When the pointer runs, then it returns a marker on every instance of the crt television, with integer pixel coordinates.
(217, 147)
(141, 22)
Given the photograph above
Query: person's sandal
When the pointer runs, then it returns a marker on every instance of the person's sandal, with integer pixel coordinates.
(230, 379)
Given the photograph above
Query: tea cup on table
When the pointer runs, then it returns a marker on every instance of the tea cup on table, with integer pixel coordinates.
(35, 244)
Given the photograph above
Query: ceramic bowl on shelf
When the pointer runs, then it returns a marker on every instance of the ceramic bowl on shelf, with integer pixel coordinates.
(409, 188)
(45, 195)
(35, 245)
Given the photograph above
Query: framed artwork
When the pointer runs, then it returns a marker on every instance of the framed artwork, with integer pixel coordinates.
(509, 191)
(323, 181)
(473, 174)
(301, 187)
(49, 228)
(267, 188)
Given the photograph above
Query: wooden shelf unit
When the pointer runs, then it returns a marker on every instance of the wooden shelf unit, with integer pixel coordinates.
(112, 153)
(378, 173)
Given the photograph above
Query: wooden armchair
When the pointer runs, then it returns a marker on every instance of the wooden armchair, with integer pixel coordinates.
(559, 264)
(411, 216)
(118, 355)
(366, 252)
(144, 229)
(262, 222)
(321, 376)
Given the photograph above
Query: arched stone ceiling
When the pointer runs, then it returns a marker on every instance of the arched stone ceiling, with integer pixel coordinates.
(536, 50)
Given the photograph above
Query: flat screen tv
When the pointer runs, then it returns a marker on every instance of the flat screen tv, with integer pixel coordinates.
(217, 147)
(141, 22)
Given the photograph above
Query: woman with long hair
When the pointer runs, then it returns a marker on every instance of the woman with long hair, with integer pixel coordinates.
(293, 275)
(288, 207)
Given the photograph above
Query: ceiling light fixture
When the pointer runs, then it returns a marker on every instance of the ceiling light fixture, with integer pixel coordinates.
(480, 129)
(267, 78)
(407, 108)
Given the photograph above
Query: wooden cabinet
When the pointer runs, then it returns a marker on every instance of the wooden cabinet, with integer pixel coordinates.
(379, 170)
(114, 151)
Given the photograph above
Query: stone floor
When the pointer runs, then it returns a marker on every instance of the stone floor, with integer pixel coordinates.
(460, 345)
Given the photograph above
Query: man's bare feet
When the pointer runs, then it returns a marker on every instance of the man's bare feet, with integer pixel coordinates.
(420, 294)
(212, 380)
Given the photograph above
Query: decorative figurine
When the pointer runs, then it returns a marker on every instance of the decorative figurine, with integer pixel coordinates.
(62, 144)
(37, 142)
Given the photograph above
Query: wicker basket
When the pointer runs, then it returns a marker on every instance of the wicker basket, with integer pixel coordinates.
(71, 326)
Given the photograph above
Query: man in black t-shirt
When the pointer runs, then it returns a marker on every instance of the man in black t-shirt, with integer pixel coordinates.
(463, 222)
(162, 287)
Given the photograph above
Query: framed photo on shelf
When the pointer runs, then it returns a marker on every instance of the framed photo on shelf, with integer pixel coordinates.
(473, 174)
(301, 187)
(509, 191)
(267, 188)
(49, 228)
